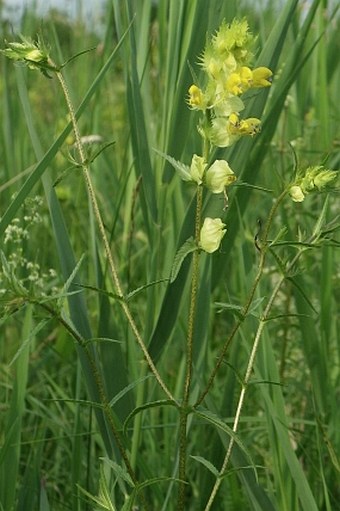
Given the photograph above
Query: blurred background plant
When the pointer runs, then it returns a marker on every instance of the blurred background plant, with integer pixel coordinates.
(56, 449)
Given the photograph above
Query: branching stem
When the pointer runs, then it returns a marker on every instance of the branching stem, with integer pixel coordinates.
(248, 303)
(256, 342)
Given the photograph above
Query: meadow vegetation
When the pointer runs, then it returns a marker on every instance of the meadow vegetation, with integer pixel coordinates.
(170, 267)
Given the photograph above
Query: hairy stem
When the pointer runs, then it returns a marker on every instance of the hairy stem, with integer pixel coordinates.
(184, 410)
(100, 223)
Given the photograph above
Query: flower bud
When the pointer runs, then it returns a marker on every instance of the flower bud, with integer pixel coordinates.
(212, 232)
(196, 98)
(35, 55)
(318, 177)
(324, 177)
(314, 179)
(218, 176)
(197, 167)
(296, 193)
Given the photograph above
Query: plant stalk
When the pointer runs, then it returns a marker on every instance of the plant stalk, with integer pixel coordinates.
(100, 223)
(184, 409)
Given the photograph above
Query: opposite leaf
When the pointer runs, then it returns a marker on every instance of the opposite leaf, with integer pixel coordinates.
(182, 169)
(188, 246)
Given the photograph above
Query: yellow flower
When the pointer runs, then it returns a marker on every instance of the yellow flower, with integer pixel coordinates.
(220, 134)
(239, 82)
(234, 85)
(218, 176)
(196, 98)
(234, 120)
(225, 61)
(245, 78)
(224, 132)
(212, 232)
(250, 126)
(262, 77)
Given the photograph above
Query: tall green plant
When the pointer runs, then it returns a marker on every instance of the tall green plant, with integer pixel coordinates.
(142, 462)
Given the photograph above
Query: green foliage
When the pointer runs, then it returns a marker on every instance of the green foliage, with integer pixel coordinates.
(96, 410)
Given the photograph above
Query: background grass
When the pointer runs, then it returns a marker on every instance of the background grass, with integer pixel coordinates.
(53, 442)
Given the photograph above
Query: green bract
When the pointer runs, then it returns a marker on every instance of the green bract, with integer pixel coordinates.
(33, 54)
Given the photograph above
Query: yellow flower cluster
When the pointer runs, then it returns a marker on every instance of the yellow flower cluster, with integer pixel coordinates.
(225, 61)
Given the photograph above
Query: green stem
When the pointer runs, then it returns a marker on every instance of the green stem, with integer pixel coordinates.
(100, 223)
(138, 420)
(193, 299)
(247, 376)
(184, 409)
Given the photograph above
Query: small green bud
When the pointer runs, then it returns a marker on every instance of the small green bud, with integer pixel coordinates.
(31, 53)
(320, 177)
(314, 179)
(35, 55)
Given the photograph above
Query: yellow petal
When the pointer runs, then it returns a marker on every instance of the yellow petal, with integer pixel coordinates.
(262, 77)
